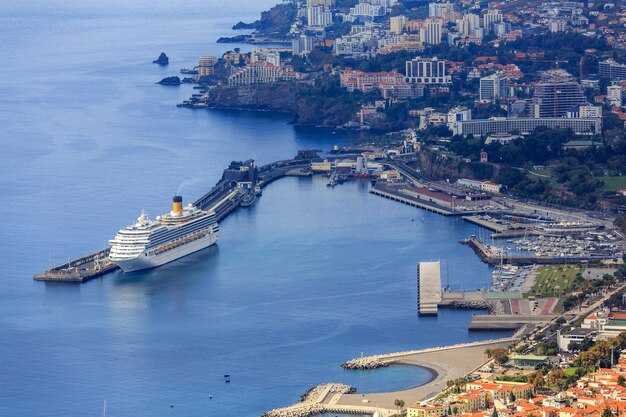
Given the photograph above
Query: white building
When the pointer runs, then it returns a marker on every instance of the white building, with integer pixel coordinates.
(575, 335)
(438, 9)
(319, 16)
(206, 65)
(526, 125)
(273, 57)
(585, 110)
(353, 45)
(432, 32)
(501, 28)
(427, 71)
(367, 10)
(493, 87)
(468, 24)
(558, 25)
(315, 3)
(458, 114)
(502, 138)
(487, 186)
(261, 72)
(302, 45)
(490, 19)
(397, 24)
(615, 94)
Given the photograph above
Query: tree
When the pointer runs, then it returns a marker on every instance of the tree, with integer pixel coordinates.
(500, 355)
(536, 379)
(558, 378)
(399, 405)
(511, 397)
(607, 412)
(621, 381)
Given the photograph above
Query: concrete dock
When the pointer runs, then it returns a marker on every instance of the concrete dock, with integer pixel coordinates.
(428, 288)
(80, 270)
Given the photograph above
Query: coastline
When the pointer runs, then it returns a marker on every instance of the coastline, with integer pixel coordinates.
(443, 363)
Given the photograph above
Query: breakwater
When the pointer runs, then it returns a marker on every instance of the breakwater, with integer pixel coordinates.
(376, 361)
(312, 402)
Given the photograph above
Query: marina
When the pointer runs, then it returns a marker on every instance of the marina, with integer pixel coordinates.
(493, 255)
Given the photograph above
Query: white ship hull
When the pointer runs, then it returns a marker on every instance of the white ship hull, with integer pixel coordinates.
(147, 261)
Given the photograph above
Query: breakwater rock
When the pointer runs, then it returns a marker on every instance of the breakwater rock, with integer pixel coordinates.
(368, 362)
(312, 401)
(378, 361)
(494, 307)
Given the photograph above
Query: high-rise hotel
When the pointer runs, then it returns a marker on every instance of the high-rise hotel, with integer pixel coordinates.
(427, 71)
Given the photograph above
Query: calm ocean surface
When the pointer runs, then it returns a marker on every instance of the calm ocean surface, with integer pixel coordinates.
(303, 280)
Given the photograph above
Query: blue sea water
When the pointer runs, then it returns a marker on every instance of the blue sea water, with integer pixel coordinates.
(305, 279)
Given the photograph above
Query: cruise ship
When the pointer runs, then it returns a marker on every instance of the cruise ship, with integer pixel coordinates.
(151, 243)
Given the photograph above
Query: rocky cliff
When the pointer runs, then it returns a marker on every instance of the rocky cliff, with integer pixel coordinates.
(295, 98)
(440, 167)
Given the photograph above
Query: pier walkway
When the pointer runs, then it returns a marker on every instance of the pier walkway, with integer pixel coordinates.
(428, 288)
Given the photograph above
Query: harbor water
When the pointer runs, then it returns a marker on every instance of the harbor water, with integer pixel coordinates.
(303, 280)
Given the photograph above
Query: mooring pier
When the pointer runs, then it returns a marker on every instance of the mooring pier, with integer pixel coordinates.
(225, 197)
(80, 270)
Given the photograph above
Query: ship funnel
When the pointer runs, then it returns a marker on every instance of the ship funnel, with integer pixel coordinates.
(177, 205)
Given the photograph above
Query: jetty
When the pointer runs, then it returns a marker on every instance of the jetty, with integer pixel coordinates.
(428, 288)
(507, 310)
(80, 270)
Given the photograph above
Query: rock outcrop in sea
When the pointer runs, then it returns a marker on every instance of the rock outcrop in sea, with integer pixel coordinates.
(162, 59)
(170, 81)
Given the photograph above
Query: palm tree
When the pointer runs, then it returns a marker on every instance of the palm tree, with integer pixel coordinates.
(399, 404)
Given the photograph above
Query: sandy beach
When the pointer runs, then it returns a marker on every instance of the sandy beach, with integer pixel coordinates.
(445, 365)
